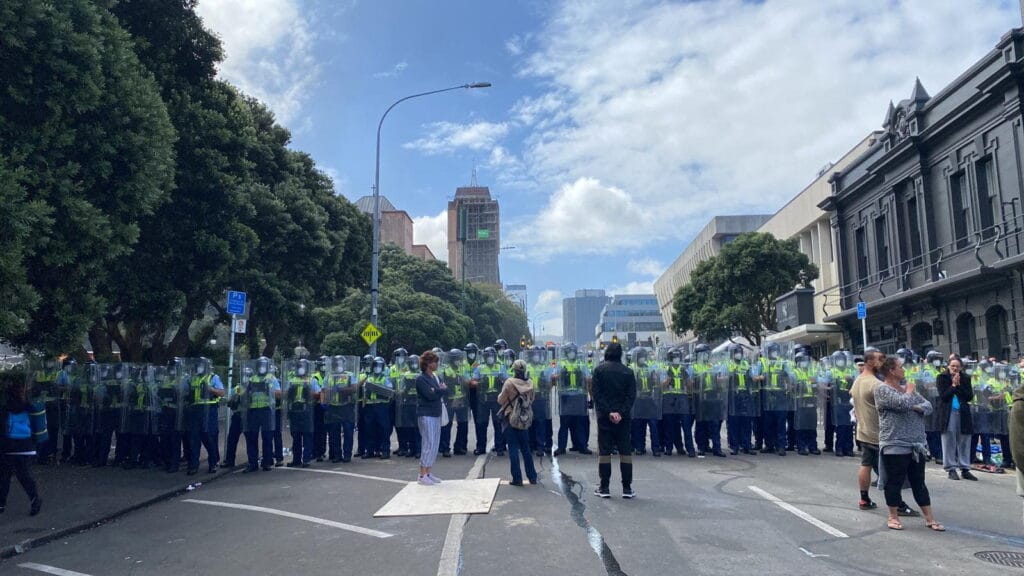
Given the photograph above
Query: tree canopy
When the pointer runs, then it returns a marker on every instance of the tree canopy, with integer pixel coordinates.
(734, 292)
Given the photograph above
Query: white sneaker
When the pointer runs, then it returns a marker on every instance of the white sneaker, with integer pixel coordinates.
(434, 479)
(426, 481)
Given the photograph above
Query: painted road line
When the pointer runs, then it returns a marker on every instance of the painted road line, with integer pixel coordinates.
(286, 514)
(449, 563)
(799, 513)
(50, 569)
(352, 474)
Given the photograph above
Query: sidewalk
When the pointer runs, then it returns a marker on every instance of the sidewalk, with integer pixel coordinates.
(78, 498)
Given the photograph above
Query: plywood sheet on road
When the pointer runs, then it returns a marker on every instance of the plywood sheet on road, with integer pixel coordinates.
(448, 497)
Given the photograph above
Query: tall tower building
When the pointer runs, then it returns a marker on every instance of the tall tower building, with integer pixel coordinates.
(581, 314)
(474, 235)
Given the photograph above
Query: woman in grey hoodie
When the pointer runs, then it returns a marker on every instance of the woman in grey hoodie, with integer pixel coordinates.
(518, 440)
(902, 442)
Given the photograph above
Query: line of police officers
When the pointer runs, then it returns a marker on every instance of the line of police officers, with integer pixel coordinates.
(773, 402)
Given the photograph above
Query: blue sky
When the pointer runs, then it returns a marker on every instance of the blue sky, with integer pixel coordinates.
(614, 130)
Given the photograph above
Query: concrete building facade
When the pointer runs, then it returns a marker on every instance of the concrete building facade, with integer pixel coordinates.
(581, 315)
(474, 235)
(928, 220)
(632, 320)
(396, 226)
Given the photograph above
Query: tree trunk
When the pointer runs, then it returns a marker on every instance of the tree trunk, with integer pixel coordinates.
(100, 340)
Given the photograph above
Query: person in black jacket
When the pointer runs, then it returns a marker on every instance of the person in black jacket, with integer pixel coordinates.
(18, 435)
(614, 391)
(954, 419)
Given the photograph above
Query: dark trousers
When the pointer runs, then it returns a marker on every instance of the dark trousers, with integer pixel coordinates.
(488, 412)
(49, 448)
(1004, 445)
(844, 439)
(672, 429)
(66, 449)
(142, 451)
(638, 434)
(302, 447)
(791, 430)
(518, 442)
(830, 428)
(408, 439)
(341, 448)
(258, 427)
(774, 429)
(899, 468)
(15, 465)
(807, 440)
(363, 446)
(986, 447)
(757, 425)
(234, 434)
(378, 428)
(935, 444)
(542, 434)
(278, 435)
(205, 436)
(83, 450)
(738, 429)
(461, 437)
(709, 436)
(614, 437)
(319, 432)
(575, 426)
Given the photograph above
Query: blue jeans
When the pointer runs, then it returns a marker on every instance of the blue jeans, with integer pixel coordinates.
(519, 443)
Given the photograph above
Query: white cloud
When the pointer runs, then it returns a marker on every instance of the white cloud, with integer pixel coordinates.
(645, 132)
(268, 44)
(646, 267)
(517, 44)
(646, 287)
(396, 70)
(450, 136)
(432, 231)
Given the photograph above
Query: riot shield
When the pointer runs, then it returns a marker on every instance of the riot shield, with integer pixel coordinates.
(925, 381)
(456, 379)
(170, 391)
(808, 400)
(742, 389)
(649, 383)
(44, 386)
(840, 382)
(405, 400)
(572, 389)
(776, 384)
(341, 389)
(981, 407)
(489, 384)
(1000, 401)
(677, 395)
(257, 402)
(540, 376)
(109, 397)
(714, 395)
(140, 401)
(298, 394)
(80, 409)
(378, 386)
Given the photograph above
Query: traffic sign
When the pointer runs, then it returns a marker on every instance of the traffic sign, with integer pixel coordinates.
(239, 326)
(236, 302)
(370, 334)
(862, 310)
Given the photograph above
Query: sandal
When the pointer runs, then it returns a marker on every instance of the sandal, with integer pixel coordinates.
(936, 527)
(894, 524)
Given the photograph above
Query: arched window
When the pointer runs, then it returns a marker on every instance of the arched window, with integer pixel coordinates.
(921, 338)
(997, 332)
(966, 336)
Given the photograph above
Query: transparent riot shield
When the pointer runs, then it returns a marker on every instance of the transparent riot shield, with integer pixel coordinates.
(297, 392)
(714, 395)
(44, 387)
(840, 382)
(341, 390)
(258, 396)
(742, 389)
(109, 397)
(456, 376)
(197, 398)
(1000, 401)
(981, 407)
(489, 384)
(378, 387)
(649, 383)
(140, 401)
(80, 411)
(540, 376)
(171, 386)
(808, 399)
(777, 386)
(572, 389)
(924, 378)
(405, 400)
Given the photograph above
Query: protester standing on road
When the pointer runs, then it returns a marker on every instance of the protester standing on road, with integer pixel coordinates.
(902, 442)
(517, 440)
(614, 391)
(22, 425)
(954, 419)
(430, 393)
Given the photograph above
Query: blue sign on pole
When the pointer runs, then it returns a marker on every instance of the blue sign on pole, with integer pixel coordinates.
(862, 310)
(236, 302)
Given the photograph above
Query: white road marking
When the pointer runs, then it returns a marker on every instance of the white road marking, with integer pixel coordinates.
(449, 564)
(352, 474)
(812, 554)
(50, 569)
(799, 513)
(286, 514)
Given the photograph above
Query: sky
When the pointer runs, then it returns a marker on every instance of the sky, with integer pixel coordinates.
(614, 130)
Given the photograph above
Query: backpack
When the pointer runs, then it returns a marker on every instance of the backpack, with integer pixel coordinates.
(520, 413)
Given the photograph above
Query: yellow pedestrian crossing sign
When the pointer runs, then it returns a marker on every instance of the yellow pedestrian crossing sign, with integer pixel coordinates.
(370, 334)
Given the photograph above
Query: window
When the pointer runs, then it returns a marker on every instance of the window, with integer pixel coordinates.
(966, 334)
(985, 212)
(957, 190)
(913, 230)
(881, 247)
(862, 257)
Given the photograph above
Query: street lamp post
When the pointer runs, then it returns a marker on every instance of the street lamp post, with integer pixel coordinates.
(375, 271)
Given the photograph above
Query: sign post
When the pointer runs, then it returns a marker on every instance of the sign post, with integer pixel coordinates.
(862, 315)
(236, 306)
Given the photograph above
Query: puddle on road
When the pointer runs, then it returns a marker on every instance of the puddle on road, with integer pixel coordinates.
(569, 487)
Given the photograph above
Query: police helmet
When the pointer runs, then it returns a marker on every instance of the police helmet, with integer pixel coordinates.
(471, 352)
(985, 365)
(569, 351)
(675, 356)
(535, 355)
(302, 367)
(378, 365)
(934, 357)
(508, 356)
(772, 350)
(490, 355)
(413, 362)
(905, 355)
(366, 362)
(456, 356)
(802, 359)
(839, 358)
(639, 355)
(262, 365)
(500, 345)
(702, 351)
(399, 355)
(336, 364)
(590, 354)
(736, 351)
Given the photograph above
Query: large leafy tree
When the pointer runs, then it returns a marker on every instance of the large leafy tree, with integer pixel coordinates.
(84, 121)
(20, 217)
(734, 292)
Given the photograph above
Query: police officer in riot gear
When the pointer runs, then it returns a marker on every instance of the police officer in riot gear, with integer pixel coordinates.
(488, 379)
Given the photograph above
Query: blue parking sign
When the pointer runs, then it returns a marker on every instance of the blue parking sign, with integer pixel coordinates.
(236, 302)
(862, 310)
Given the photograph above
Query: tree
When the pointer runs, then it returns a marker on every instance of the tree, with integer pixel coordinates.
(735, 291)
(21, 217)
(84, 120)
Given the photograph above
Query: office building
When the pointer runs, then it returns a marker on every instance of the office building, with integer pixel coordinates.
(581, 314)
(631, 320)
(474, 235)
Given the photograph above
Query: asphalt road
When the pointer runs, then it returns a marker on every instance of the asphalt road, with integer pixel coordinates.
(693, 516)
